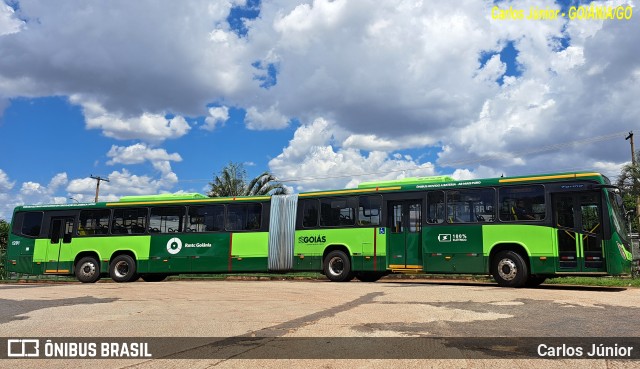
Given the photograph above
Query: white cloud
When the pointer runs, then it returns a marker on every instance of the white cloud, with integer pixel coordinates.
(29, 192)
(217, 117)
(5, 183)
(270, 118)
(123, 183)
(384, 73)
(147, 127)
(8, 22)
(139, 153)
(311, 155)
(129, 57)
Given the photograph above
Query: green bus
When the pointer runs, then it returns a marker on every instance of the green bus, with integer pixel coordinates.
(520, 230)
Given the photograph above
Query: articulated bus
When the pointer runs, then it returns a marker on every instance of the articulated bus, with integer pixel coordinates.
(520, 230)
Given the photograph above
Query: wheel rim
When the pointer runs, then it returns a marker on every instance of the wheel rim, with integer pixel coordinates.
(121, 269)
(336, 266)
(507, 269)
(87, 269)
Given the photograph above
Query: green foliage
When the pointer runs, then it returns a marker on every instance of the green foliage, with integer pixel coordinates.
(4, 239)
(629, 184)
(232, 181)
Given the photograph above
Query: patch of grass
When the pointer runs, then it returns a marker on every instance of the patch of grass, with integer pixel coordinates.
(596, 281)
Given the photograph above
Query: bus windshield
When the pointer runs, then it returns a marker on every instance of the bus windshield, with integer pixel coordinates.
(619, 220)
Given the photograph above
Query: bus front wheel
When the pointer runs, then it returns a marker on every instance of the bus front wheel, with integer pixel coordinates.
(337, 266)
(509, 269)
(123, 269)
(88, 270)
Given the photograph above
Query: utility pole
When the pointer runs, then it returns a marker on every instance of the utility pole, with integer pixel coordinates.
(98, 179)
(633, 149)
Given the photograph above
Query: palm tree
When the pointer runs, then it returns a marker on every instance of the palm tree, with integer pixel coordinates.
(232, 181)
(265, 184)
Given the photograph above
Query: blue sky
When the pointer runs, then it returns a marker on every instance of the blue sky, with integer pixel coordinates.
(160, 98)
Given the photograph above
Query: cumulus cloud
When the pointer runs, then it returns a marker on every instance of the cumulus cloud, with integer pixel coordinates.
(122, 183)
(130, 57)
(146, 127)
(139, 153)
(5, 183)
(313, 162)
(29, 192)
(217, 117)
(270, 118)
(366, 79)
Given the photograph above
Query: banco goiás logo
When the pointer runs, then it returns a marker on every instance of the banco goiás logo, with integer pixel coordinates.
(312, 239)
(174, 246)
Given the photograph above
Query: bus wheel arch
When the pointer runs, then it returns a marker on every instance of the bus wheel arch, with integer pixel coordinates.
(509, 265)
(86, 267)
(337, 264)
(123, 267)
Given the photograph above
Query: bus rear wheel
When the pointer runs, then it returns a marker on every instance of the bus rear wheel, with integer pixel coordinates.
(123, 269)
(154, 277)
(509, 269)
(87, 270)
(337, 266)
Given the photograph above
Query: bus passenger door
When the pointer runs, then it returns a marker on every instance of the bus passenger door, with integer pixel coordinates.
(578, 221)
(405, 234)
(60, 234)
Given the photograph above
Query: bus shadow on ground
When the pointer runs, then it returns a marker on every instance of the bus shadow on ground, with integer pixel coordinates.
(15, 310)
(563, 287)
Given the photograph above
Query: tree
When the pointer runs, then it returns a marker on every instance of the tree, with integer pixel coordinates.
(232, 181)
(629, 184)
(4, 239)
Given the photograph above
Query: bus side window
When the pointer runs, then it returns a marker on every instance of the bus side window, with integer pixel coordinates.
(522, 203)
(435, 207)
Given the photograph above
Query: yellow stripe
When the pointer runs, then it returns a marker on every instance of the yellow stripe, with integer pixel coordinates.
(220, 199)
(396, 266)
(57, 271)
(538, 178)
(373, 189)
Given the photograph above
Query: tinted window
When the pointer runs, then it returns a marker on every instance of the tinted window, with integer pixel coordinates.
(207, 218)
(31, 224)
(369, 209)
(94, 222)
(336, 212)
(310, 213)
(129, 221)
(522, 203)
(470, 206)
(166, 220)
(435, 207)
(244, 217)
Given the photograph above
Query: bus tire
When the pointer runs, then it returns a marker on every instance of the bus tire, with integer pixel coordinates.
(123, 269)
(87, 270)
(154, 277)
(534, 281)
(509, 269)
(337, 266)
(369, 276)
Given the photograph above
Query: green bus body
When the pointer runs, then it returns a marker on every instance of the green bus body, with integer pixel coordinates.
(426, 225)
